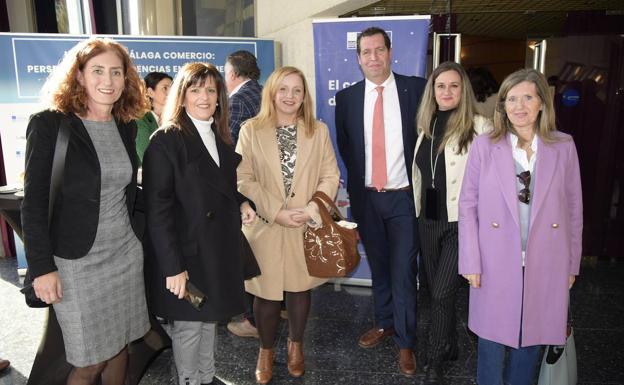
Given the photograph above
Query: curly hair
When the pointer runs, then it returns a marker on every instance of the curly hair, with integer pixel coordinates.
(64, 93)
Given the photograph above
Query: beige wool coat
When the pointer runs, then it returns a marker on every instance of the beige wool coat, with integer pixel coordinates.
(278, 249)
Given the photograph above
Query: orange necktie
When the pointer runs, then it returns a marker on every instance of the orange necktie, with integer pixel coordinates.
(380, 175)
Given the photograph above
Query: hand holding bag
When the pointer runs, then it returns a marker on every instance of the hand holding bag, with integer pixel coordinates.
(330, 250)
(559, 363)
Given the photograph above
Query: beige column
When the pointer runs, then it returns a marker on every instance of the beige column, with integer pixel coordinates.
(289, 22)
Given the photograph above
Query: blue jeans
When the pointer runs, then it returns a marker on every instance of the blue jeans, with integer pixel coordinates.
(520, 367)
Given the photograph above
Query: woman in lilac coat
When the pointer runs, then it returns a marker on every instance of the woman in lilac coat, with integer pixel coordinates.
(520, 227)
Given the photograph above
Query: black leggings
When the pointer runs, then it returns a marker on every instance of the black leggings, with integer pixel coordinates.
(267, 315)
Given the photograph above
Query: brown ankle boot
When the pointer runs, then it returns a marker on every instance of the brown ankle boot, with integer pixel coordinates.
(295, 358)
(264, 367)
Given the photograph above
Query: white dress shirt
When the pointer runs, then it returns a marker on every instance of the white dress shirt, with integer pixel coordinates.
(520, 155)
(393, 129)
(204, 127)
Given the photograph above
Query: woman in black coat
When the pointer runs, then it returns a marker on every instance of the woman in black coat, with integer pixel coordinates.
(194, 218)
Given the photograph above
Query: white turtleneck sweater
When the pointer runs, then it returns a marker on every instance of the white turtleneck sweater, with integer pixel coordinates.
(204, 127)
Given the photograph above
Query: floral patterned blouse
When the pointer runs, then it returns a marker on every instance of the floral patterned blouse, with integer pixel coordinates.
(287, 144)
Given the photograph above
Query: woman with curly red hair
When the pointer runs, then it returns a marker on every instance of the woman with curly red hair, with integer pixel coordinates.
(86, 259)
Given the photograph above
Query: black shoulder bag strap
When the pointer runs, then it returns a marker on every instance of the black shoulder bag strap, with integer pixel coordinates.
(56, 179)
(58, 165)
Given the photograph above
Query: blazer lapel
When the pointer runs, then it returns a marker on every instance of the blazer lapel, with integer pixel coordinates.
(357, 118)
(268, 145)
(544, 169)
(199, 156)
(408, 127)
(80, 132)
(505, 171)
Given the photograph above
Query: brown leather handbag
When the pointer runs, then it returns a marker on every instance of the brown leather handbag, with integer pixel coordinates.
(330, 250)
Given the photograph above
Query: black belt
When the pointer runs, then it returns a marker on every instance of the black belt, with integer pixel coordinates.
(406, 188)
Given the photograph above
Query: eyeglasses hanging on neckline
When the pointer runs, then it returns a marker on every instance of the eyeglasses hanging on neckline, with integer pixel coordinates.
(524, 195)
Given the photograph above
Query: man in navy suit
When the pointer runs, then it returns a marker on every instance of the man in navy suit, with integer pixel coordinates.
(244, 92)
(244, 95)
(375, 128)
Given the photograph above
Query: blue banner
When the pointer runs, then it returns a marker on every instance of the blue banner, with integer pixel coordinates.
(337, 68)
(26, 60)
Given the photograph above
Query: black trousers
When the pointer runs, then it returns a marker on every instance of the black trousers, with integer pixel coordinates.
(439, 244)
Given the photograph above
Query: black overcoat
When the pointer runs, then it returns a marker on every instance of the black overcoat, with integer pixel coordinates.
(192, 223)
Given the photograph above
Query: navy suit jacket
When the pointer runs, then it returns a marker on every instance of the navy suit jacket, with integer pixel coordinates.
(244, 105)
(350, 132)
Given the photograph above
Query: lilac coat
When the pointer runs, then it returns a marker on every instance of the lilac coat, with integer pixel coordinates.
(490, 244)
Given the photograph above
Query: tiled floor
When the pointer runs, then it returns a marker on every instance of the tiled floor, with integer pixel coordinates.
(338, 316)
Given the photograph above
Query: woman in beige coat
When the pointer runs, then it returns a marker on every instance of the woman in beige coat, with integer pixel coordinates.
(287, 156)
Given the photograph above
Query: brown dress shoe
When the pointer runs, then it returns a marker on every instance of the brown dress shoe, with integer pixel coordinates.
(295, 358)
(407, 362)
(264, 367)
(4, 364)
(374, 336)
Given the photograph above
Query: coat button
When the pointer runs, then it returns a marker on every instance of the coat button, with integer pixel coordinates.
(495, 225)
(210, 215)
(453, 163)
(555, 225)
(292, 195)
(453, 181)
(453, 198)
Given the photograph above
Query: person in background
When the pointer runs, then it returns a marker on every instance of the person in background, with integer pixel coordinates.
(520, 231)
(193, 219)
(244, 92)
(376, 138)
(157, 86)
(87, 260)
(447, 123)
(287, 156)
(485, 88)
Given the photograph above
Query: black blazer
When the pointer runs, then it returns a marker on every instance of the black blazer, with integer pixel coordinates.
(192, 223)
(350, 132)
(77, 205)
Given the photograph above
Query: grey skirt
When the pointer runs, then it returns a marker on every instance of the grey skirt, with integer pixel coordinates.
(103, 307)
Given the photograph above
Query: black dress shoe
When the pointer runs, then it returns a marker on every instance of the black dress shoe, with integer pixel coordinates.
(434, 374)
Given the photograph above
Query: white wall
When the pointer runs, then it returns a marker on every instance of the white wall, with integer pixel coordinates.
(289, 22)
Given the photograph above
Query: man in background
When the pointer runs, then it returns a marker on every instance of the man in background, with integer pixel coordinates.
(244, 92)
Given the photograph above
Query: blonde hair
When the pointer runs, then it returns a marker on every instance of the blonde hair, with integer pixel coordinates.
(461, 120)
(196, 74)
(64, 93)
(545, 124)
(267, 116)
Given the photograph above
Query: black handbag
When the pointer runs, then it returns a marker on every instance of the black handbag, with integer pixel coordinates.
(56, 178)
